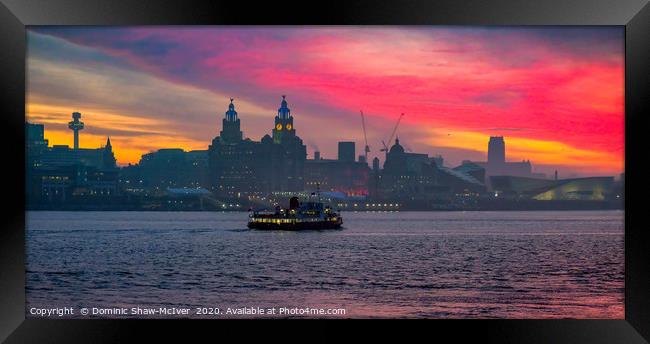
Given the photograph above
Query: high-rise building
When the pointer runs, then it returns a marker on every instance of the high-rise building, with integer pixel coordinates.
(60, 174)
(346, 151)
(232, 159)
(282, 157)
(241, 166)
(496, 151)
(35, 134)
(35, 144)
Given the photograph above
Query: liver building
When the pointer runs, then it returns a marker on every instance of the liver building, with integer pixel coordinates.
(274, 164)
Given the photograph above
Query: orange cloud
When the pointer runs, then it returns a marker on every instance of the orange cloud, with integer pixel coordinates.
(540, 152)
(130, 136)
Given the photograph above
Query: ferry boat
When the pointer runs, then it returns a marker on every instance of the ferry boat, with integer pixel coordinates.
(299, 216)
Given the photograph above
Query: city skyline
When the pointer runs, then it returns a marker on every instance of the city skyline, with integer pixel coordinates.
(558, 101)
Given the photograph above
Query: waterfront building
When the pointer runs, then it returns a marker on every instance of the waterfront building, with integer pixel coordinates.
(63, 155)
(35, 144)
(583, 189)
(346, 151)
(416, 176)
(241, 166)
(496, 164)
(60, 174)
(231, 159)
(350, 178)
(171, 168)
(283, 157)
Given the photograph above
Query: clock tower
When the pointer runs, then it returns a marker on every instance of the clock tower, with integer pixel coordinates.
(283, 128)
(231, 132)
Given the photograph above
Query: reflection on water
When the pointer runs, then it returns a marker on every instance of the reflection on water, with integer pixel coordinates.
(408, 264)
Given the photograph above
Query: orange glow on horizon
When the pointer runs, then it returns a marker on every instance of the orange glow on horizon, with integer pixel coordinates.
(127, 148)
(539, 152)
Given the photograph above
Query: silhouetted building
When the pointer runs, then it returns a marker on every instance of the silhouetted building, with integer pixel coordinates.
(62, 175)
(472, 169)
(585, 189)
(347, 177)
(172, 168)
(375, 165)
(35, 145)
(496, 151)
(497, 165)
(415, 176)
(231, 159)
(346, 151)
(241, 166)
(282, 157)
(198, 172)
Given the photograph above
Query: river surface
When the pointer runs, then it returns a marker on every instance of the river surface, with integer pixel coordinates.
(541, 264)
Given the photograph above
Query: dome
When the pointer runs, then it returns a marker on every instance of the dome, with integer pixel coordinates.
(396, 148)
(267, 139)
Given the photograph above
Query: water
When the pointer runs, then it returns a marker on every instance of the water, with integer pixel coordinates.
(409, 264)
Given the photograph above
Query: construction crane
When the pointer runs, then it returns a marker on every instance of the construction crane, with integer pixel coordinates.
(366, 150)
(385, 149)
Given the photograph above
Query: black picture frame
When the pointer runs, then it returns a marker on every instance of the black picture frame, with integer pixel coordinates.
(15, 15)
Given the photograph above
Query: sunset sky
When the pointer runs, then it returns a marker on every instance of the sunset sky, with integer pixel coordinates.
(555, 93)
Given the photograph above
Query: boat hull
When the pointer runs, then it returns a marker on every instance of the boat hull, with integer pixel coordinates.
(319, 225)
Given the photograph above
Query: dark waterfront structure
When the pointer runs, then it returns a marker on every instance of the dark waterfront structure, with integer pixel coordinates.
(497, 165)
(414, 176)
(231, 159)
(236, 173)
(283, 169)
(239, 167)
(346, 151)
(496, 151)
(35, 145)
(173, 168)
(582, 189)
(60, 174)
(348, 177)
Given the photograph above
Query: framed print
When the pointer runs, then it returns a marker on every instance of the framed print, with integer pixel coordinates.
(449, 165)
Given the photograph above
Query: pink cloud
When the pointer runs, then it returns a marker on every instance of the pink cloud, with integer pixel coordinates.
(552, 84)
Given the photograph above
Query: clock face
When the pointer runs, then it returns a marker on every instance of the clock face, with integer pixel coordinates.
(278, 127)
(289, 126)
